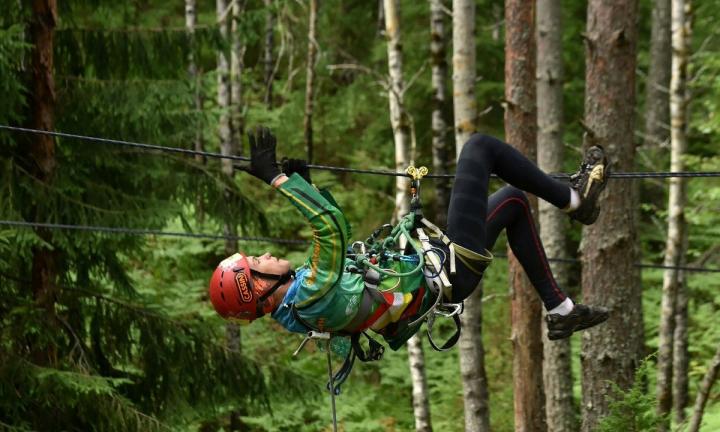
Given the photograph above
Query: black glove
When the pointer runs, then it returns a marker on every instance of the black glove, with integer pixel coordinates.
(299, 166)
(262, 155)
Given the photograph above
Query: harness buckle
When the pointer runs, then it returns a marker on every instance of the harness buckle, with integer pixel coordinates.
(449, 310)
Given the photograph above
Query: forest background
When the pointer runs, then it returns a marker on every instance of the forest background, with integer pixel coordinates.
(127, 339)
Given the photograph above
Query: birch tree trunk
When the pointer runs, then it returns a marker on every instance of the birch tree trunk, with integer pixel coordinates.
(463, 75)
(675, 246)
(398, 118)
(704, 391)
(557, 372)
(679, 119)
(237, 65)
(657, 101)
(41, 149)
(401, 134)
(421, 403)
(472, 351)
(439, 125)
(681, 357)
(521, 132)
(310, 80)
(611, 352)
(268, 48)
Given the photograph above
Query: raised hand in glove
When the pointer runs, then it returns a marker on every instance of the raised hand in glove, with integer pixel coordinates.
(299, 166)
(262, 155)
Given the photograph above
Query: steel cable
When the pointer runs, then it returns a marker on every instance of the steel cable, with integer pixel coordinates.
(131, 231)
(152, 147)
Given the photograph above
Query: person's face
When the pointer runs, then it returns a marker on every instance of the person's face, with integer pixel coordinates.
(267, 263)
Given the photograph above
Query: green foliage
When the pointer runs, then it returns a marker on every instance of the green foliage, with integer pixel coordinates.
(633, 410)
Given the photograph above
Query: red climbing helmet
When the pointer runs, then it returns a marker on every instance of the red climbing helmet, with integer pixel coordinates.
(235, 293)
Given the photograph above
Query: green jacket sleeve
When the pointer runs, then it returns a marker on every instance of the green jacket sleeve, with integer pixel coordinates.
(330, 237)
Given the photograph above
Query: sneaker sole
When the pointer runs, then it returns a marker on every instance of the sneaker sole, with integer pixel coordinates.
(556, 335)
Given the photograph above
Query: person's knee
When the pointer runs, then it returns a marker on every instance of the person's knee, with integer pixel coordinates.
(513, 192)
(479, 144)
(483, 141)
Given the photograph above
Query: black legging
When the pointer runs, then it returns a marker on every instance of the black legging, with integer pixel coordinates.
(476, 222)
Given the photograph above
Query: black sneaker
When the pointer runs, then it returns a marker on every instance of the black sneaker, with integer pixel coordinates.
(580, 318)
(589, 181)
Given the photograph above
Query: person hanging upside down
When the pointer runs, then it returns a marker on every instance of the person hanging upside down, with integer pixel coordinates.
(328, 294)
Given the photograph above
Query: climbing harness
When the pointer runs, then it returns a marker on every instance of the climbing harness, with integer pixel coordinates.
(413, 239)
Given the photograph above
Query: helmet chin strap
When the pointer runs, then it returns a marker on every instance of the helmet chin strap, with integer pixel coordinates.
(281, 280)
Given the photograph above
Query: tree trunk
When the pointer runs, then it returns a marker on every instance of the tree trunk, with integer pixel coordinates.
(237, 65)
(681, 357)
(679, 123)
(675, 246)
(42, 154)
(521, 132)
(611, 352)
(421, 403)
(310, 80)
(224, 125)
(226, 148)
(268, 48)
(464, 103)
(439, 125)
(472, 365)
(398, 118)
(194, 76)
(401, 134)
(704, 392)
(657, 108)
(557, 373)
(472, 351)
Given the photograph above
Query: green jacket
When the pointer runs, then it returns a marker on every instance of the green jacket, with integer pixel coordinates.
(329, 297)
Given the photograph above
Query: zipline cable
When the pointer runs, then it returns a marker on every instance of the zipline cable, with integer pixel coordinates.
(122, 230)
(640, 265)
(152, 147)
(132, 231)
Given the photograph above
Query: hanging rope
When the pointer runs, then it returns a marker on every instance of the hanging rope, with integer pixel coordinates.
(152, 147)
(132, 231)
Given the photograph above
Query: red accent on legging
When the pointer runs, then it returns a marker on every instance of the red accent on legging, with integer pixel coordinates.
(536, 239)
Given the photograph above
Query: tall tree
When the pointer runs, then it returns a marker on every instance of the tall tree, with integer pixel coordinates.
(398, 117)
(557, 373)
(439, 125)
(268, 47)
(676, 243)
(401, 134)
(677, 236)
(521, 132)
(310, 79)
(472, 351)
(237, 65)
(196, 83)
(421, 399)
(657, 101)
(43, 162)
(611, 352)
(224, 123)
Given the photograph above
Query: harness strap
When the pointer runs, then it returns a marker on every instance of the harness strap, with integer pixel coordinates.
(364, 318)
(375, 351)
(342, 374)
(448, 343)
(474, 261)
